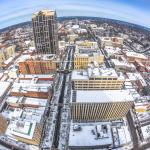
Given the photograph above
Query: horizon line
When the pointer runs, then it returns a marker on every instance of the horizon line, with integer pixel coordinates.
(130, 23)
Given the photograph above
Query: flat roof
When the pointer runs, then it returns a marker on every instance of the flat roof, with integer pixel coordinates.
(96, 72)
(24, 129)
(35, 81)
(101, 96)
(146, 131)
(85, 137)
(35, 114)
(136, 55)
(25, 87)
(112, 50)
(86, 43)
(1, 74)
(10, 59)
(27, 100)
(136, 76)
(102, 72)
(116, 62)
(29, 57)
(36, 76)
(79, 75)
(4, 87)
(23, 58)
(87, 53)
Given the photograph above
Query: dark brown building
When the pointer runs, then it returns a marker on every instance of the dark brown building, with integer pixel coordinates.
(45, 31)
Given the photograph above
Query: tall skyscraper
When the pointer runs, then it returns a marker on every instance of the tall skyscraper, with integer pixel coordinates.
(45, 31)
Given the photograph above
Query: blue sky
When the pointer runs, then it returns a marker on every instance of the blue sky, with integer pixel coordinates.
(134, 11)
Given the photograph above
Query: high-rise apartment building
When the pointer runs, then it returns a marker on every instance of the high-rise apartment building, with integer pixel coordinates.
(45, 31)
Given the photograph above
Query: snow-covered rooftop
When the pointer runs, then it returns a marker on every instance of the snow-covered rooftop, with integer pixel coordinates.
(24, 129)
(136, 76)
(25, 87)
(25, 57)
(146, 131)
(25, 114)
(80, 75)
(87, 53)
(10, 59)
(135, 55)
(101, 96)
(27, 101)
(86, 138)
(36, 76)
(35, 81)
(96, 72)
(116, 62)
(1, 74)
(4, 87)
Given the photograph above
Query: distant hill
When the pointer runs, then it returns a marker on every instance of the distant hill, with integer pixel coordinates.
(15, 26)
(107, 20)
(99, 19)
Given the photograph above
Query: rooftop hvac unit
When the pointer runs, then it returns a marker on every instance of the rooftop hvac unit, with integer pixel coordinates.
(20, 124)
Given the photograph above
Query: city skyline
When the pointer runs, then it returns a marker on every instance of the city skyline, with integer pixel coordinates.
(135, 11)
(76, 84)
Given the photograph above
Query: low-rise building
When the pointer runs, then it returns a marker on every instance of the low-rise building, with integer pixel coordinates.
(90, 136)
(112, 41)
(25, 125)
(111, 51)
(44, 65)
(99, 135)
(85, 53)
(72, 37)
(137, 79)
(122, 65)
(86, 45)
(132, 57)
(5, 86)
(25, 131)
(6, 53)
(81, 61)
(31, 90)
(20, 102)
(27, 113)
(39, 77)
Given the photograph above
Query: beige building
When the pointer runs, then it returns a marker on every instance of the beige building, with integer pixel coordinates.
(100, 105)
(85, 53)
(10, 51)
(6, 53)
(132, 57)
(72, 37)
(28, 132)
(86, 45)
(112, 41)
(81, 61)
(97, 79)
